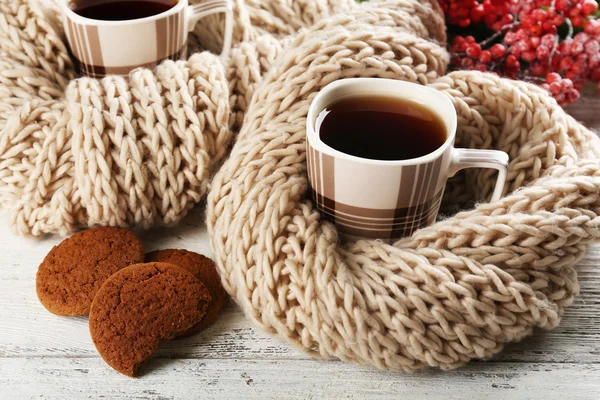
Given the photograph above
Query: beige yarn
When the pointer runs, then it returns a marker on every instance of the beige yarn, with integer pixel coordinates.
(452, 292)
(136, 151)
(139, 151)
(123, 152)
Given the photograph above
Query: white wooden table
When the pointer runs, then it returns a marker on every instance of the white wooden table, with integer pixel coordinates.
(45, 356)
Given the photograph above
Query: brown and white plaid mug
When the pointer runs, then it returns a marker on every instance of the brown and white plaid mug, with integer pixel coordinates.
(117, 47)
(367, 198)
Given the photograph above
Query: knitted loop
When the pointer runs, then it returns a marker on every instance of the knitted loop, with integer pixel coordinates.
(139, 151)
(454, 291)
(133, 151)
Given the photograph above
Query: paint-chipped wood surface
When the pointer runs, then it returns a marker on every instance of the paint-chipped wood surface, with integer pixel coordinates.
(45, 356)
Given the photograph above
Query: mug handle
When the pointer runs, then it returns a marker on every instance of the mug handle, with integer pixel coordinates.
(201, 10)
(475, 158)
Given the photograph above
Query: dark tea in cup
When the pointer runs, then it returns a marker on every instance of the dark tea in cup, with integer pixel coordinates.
(379, 152)
(115, 37)
(120, 10)
(381, 127)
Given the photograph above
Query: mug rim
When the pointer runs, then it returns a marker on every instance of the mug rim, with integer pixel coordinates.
(73, 16)
(314, 140)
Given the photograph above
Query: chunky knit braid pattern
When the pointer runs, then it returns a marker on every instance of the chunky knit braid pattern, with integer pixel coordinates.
(138, 151)
(134, 151)
(452, 292)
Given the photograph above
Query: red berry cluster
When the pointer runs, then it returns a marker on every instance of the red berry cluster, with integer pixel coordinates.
(498, 14)
(577, 10)
(561, 88)
(578, 59)
(556, 42)
(467, 54)
(539, 21)
(493, 13)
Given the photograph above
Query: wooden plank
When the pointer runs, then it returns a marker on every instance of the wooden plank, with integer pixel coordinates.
(576, 340)
(587, 109)
(291, 379)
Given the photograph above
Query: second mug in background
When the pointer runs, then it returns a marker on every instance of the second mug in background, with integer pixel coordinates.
(104, 44)
(382, 176)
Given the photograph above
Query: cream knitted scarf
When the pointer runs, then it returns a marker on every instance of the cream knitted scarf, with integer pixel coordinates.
(139, 151)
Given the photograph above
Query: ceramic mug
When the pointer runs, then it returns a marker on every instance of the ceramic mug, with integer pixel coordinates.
(117, 47)
(367, 198)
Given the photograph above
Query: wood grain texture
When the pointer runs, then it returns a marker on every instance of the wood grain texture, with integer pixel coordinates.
(46, 356)
(292, 379)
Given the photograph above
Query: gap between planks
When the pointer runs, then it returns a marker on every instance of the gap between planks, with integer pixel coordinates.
(292, 379)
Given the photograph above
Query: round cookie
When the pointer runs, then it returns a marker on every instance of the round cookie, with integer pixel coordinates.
(140, 307)
(204, 269)
(73, 271)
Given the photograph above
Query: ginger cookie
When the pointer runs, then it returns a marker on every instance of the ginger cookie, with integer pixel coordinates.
(73, 271)
(142, 306)
(204, 269)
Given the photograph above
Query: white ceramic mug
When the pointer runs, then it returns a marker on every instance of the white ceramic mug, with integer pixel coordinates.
(117, 47)
(388, 199)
